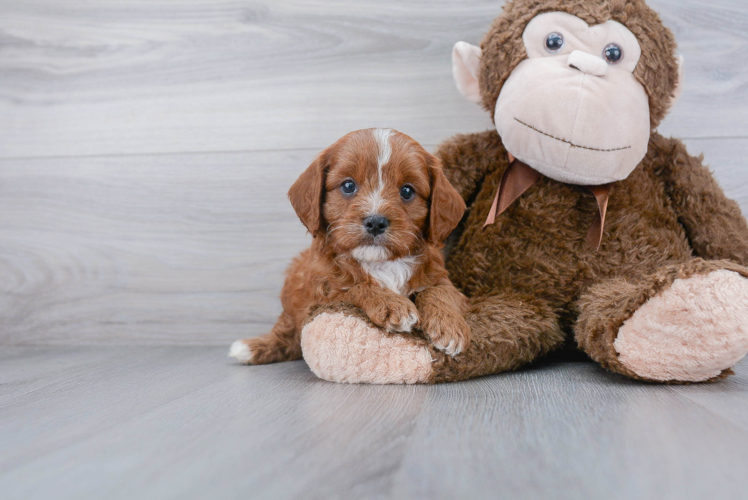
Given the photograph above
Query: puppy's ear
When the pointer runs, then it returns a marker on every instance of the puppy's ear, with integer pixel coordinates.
(446, 205)
(307, 194)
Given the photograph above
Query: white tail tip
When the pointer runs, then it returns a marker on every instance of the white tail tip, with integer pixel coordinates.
(240, 351)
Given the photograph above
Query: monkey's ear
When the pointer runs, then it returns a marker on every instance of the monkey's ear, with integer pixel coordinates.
(465, 67)
(679, 87)
(307, 194)
(446, 205)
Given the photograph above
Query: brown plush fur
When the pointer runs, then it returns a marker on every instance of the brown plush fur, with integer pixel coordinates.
(534, 280)
(328, 272)
(657, 69)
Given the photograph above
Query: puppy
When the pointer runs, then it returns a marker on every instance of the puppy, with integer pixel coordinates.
(378, 206)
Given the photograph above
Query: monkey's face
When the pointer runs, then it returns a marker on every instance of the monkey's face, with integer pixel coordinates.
(574, 110)
(574, 106)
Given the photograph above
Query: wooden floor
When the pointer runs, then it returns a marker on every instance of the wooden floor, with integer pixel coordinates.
(146, 147)
(184, 422)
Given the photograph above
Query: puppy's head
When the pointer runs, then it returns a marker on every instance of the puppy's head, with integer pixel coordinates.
(378, 195)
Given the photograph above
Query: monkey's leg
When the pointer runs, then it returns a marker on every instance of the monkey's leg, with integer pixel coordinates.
(341, 344)
(281, 344)
(688, 322)
(508, 331)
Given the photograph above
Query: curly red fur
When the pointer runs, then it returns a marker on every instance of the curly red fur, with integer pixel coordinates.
(331, 270)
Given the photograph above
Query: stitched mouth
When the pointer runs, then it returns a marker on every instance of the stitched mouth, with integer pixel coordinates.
(569, 142)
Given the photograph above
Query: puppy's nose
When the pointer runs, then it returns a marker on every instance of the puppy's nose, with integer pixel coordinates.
(376, 224)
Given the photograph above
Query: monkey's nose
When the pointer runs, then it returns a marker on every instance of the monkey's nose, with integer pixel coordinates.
(587, 63)
(376, 224)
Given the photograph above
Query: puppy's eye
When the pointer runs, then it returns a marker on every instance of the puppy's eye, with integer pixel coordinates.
(613, 53)
(407, 192)
(348, 187)
(554, 42)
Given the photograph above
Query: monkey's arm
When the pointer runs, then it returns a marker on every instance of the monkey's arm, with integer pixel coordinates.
(714, 224)
(466, 158)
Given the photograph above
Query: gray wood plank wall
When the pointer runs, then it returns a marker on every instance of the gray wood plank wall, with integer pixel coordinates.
(146, 146)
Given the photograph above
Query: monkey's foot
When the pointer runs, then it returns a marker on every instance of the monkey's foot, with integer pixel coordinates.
(691, 332)
(342, 348)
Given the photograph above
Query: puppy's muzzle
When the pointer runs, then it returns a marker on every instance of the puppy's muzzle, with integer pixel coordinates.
(376, 224)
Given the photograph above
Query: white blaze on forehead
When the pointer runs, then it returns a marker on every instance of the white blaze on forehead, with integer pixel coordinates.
(382, 135)
(384, 150)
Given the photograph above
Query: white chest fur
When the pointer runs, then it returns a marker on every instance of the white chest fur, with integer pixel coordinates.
(392, 274)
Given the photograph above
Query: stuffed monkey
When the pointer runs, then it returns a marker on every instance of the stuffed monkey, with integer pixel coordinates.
(584, 225)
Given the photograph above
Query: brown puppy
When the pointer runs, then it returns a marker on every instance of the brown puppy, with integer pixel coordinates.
(378, 207)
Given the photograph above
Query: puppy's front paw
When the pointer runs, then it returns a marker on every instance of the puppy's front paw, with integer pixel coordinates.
(449, 332)
(394, 314)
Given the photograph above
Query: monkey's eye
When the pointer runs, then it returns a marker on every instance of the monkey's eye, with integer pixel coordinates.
(554, 42)
(407, 192)
(348, 187)
(613, 53)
